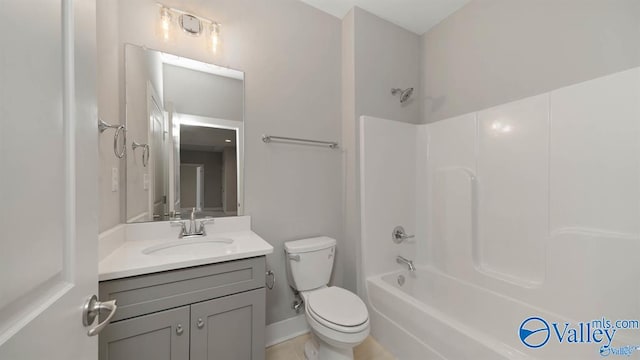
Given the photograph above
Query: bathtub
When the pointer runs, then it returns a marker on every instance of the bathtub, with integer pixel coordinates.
(429, 315)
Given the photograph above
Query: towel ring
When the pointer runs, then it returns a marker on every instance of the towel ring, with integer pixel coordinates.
(120, 129)
(145, 152)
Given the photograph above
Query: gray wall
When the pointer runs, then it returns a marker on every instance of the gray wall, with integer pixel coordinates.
(212, 162)
(198, 93)
(188, 188)
(290, 53)
(111, 207)
(377, 56)
(494, 51)
(230, 179)
(386, 56)
(142, 67)
(351, 248)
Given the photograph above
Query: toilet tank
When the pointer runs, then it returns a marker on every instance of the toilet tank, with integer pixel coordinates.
(309, 262)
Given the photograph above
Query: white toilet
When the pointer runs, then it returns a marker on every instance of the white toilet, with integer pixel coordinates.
(338, 318)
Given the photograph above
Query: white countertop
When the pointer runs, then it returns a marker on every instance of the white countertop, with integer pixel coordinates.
(128, 260)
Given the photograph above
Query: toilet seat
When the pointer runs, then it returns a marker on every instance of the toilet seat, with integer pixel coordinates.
(338, 309)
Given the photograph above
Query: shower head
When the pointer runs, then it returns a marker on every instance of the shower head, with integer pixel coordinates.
(404, 94)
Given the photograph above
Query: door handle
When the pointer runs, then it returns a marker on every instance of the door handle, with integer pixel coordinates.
(92, 307)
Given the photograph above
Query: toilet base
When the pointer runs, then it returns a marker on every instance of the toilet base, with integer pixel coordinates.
(310, 350)
(315, 349)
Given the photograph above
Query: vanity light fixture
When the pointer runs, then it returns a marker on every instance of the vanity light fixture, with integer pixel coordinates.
(191, 24)
(227, 140)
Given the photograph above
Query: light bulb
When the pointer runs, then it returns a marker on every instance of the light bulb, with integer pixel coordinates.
(165, 23)
(215, 37)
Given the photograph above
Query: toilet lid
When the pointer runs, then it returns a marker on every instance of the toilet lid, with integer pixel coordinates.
(338, 306)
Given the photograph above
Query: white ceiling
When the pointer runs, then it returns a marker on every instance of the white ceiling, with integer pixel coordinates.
(417, 16)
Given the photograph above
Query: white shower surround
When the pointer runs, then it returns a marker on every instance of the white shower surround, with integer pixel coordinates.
(528, 208)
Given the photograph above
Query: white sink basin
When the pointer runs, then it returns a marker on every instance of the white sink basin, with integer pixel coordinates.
(193, 246)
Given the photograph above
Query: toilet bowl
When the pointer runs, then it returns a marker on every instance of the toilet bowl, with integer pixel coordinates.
(338, 318)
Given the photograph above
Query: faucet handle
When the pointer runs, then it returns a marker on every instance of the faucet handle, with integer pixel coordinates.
(179, 223)
(205, 221)
(183, 227)
(399, 235)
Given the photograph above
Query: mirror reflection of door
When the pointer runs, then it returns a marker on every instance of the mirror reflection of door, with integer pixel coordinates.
(158, 158)
(192, 186)
(173, 160)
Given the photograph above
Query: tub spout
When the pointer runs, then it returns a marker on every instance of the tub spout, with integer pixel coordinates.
(409, 263)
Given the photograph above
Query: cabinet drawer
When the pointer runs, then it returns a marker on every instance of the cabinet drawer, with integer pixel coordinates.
(145, 294)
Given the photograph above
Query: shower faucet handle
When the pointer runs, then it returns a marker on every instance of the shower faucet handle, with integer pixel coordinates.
(399, 235)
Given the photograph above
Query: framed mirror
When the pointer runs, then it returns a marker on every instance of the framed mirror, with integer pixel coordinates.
(185, 137)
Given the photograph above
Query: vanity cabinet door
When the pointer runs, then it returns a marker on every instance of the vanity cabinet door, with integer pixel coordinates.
(160, 336)
(229, 328)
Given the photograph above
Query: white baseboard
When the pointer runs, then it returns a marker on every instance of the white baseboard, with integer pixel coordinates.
(286, 329)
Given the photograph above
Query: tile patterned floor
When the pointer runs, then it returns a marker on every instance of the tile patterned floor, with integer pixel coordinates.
(294, 350)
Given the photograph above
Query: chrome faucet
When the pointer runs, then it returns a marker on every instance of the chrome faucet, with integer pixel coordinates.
(192, 221)
(194, 229)
(409, 263)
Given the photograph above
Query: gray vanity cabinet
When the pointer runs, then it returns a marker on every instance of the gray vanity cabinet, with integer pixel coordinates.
(231, 327)
(160, 336)
(206, 312)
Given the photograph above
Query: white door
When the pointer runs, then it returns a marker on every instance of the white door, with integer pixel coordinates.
(157, 160)
(174, 159)
(192, 186)
(48, 178)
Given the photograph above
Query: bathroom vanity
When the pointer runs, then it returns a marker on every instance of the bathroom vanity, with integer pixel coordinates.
(190, 298)
(196, 289)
